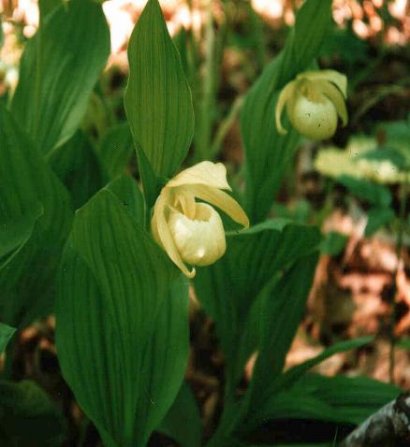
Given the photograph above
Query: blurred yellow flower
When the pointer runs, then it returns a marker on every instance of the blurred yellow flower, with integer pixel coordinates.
(313, 101)
(192, 232)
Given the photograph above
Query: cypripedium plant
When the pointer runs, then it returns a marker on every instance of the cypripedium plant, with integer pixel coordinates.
(192, 232)
(313, 101)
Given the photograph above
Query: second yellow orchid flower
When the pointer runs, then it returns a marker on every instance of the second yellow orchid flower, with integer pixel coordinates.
(313, 101)
(192, 232)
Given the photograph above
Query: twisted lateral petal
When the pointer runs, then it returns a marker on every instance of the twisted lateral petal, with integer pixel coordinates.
(163, 236)
(223, 201)
(285, 95)
(204, 173)
(335, 95)
(339, 79)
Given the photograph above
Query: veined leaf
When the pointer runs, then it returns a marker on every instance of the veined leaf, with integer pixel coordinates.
(29, 188)
(267, 152)
(58, 71)
(122, 323)
(158, 99)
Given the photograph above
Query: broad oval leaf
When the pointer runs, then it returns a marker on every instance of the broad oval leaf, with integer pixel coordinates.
(158, 99)
(58, 71)
(122, 323)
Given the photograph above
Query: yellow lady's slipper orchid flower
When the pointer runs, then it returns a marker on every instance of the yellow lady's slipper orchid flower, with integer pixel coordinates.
(192, 232)
(313, 102)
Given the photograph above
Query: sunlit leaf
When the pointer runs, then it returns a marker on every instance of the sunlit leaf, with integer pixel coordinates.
(393, 156)
(158, 99)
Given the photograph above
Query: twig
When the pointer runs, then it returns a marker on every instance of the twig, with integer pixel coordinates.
(390, 426)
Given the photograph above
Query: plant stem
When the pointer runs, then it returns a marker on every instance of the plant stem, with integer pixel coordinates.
(226, 125)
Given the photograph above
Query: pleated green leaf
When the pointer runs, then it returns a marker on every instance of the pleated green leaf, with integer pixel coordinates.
(58, 71)
(122, 323)
(29, 190)
(267, 152)
(158, 99)
(230, 289)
